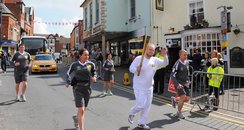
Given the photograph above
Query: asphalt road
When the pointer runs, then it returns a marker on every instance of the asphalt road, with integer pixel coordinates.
(50, 106)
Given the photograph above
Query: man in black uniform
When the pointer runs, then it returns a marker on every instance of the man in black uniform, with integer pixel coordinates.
(4, 59)
(80, 75)
(22, 62)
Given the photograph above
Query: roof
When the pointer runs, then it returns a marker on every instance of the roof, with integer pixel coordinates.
(44, 35)
(5, 10)
(33, 37)
(64, 40)
(85, 2)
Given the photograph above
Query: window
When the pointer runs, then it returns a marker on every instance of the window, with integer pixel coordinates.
(97, 11)
(90, 15)
(196, 12)
(205, 42)
(132, 8)
(27, 17)
(85, 18)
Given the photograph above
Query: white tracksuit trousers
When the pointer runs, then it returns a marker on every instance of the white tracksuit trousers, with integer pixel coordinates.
(143, 104)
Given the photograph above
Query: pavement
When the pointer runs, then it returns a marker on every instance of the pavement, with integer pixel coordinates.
(230, 114)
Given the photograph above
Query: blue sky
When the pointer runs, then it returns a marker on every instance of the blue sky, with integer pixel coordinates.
(55, 11)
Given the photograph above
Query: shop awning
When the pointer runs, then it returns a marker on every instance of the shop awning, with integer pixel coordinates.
(8, 43)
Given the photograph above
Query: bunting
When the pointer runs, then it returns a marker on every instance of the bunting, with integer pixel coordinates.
(57, 23)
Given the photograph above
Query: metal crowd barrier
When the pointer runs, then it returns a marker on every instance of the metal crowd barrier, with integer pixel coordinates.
(231, 100)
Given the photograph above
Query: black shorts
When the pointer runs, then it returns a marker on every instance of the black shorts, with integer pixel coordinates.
(108, 76)
(19, 77)
(82, 96)
(183, 91)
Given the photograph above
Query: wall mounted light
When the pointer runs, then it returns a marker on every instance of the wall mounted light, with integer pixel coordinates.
(237, 30)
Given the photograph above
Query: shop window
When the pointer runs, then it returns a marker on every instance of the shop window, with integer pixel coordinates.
(205, 42)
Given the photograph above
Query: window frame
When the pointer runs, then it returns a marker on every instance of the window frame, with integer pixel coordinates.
(85, 28)
(97, 12)
(197, 5)
(132, 8)
(204, 41)
(91, 12)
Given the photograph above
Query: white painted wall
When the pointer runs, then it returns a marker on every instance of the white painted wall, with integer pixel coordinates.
(176, 15)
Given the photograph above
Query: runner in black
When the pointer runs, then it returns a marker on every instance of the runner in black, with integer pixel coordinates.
(22, 62)
(80, 75)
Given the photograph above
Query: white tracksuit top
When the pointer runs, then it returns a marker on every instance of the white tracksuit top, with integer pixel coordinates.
(149, 67)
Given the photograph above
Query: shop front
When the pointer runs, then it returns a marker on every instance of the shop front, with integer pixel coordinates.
(9, 46)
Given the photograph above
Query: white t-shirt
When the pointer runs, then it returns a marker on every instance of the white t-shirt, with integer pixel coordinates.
(149, 67)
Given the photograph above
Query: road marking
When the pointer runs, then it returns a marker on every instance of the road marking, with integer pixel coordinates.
(186, 107)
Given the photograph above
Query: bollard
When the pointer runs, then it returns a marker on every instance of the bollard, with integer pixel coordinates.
(126, 79)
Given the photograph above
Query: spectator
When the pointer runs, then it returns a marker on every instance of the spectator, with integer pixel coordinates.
(215, 80)
(159, 75)
(4, 59)
(109, 70)
(196, 60)
(206, 64)
(99, 56)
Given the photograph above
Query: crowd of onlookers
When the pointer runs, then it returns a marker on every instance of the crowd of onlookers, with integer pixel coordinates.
(202, 63)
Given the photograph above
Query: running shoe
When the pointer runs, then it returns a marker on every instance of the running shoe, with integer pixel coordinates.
(143, 126)
(173, 102)
(104, 93)
(179, 115)
(23, 98)
(76, 121)
(17, 98)
(110, 93)
(130, 119)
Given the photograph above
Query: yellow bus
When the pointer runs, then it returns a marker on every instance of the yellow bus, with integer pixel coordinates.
(35, 44)
(136, 46)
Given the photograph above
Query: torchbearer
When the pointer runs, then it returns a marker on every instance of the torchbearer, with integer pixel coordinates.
(144, 67)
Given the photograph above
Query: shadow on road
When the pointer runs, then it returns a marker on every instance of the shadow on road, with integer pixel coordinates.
(124, 128)
(61, 84)
(10, 102)
(160, 123)
(98, 96)
(195, 115)
(128, 128)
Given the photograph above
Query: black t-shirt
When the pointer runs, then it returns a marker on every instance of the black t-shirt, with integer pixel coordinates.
(24, 59)
(81, 72)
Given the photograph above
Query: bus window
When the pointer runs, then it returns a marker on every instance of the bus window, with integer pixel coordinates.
(136, 47)
(35, 45)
